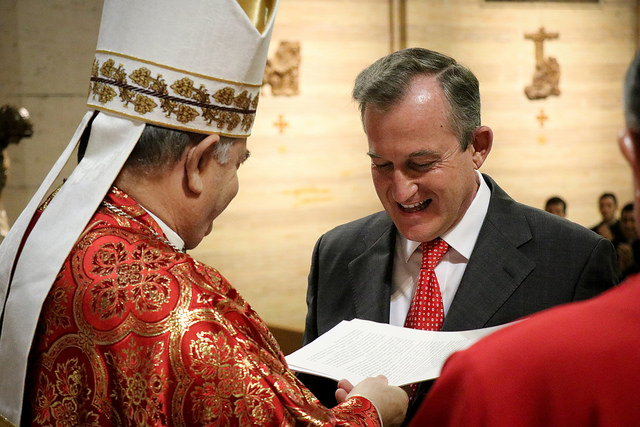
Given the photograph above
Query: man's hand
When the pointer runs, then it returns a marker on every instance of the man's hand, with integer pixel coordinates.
(344, 388)
(390, 401)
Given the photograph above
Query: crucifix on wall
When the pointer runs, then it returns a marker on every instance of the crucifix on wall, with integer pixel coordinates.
(546, 77)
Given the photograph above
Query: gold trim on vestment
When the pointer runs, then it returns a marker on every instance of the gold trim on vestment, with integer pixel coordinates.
(164, 124)
(178, 70)
(168, 98)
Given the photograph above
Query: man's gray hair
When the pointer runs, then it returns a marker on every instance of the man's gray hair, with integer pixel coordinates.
(160, 147)
(386, 81)
(632, 94)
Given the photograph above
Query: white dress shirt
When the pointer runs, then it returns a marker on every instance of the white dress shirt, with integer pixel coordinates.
(408, 258)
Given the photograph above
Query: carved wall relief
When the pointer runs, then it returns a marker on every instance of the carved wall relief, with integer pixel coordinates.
(546, 77)
(281, 72)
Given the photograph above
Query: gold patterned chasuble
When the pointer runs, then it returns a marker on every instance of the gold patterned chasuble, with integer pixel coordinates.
(136, 333)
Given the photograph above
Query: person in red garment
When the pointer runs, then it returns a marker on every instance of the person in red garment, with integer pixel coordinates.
(572, 366)
(106, 319)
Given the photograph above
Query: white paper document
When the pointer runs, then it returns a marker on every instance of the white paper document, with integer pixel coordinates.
(357, 349)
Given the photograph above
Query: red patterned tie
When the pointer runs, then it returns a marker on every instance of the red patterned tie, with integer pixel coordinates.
(426, 311)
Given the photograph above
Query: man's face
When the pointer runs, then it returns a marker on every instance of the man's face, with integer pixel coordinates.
(556, 209)
(423, 179)
(608, 209)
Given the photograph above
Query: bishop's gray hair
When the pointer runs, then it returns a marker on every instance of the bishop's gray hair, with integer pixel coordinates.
(160, 147)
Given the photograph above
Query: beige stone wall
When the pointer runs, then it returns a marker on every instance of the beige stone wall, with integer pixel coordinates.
(46, 50)
(315, 174)
(575, 153)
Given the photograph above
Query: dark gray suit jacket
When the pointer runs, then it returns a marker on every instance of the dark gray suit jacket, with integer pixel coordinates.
(525, 260)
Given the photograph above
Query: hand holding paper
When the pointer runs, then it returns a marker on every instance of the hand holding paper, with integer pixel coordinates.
(358, 349)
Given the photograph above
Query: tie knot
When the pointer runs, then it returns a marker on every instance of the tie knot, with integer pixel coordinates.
(432, 252)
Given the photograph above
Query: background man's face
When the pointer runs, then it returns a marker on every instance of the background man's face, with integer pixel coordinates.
(607, 209)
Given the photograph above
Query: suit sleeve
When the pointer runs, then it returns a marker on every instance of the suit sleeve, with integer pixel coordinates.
(311, 322)
(323, 388)
(599, 273)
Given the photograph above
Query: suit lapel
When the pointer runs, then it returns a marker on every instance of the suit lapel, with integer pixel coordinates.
(372, 270)
(496, 267)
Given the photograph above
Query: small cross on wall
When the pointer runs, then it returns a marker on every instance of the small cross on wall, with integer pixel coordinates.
(281, 124)
(542, 117)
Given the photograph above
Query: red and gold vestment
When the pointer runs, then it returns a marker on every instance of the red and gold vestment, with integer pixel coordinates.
(135, 332)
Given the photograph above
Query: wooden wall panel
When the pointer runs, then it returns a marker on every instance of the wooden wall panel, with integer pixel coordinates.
(574, 154)
(46, 63)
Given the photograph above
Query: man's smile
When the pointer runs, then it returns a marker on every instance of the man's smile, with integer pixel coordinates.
(415, 207)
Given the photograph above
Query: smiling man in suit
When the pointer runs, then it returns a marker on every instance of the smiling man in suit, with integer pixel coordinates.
(575, 365)
(500, 260)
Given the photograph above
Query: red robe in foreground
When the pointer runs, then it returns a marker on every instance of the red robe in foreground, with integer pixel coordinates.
(573, 366)
(134, 332)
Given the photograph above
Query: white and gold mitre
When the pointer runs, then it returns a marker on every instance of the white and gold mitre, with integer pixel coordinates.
(196, 68)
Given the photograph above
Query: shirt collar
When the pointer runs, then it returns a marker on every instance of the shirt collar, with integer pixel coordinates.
(462, 237)
(171, 235)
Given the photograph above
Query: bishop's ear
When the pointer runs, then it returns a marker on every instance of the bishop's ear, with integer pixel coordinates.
(198, 160)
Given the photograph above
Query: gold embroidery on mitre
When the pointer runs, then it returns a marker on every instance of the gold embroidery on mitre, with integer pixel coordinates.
(143, 104)
(186, 102)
